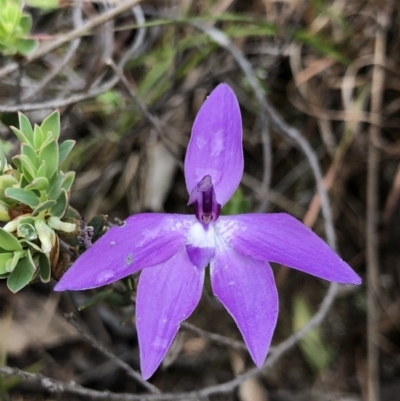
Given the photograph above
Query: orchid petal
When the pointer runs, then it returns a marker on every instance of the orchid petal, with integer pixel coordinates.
(166, 295)
(215, 146)
(280, 238)
(246, 288)
(143, 240)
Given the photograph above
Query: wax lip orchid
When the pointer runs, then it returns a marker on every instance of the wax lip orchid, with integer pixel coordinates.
(173, 250)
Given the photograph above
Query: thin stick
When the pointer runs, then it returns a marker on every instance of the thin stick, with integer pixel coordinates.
(153, 120)
(78, 21)
(76, 33)
(71, 319)
(217, 338)
(372, 243)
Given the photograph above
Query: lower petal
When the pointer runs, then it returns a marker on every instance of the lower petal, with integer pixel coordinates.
(246, 288)
(167, 294)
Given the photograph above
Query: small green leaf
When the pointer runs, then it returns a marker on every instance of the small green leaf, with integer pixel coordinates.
(9, 242)
(28, 169)
(316, 352)
(17, 163)
(44, 268)
(11, 263)
(26, 231)
(58, 210)
(26, 24)
(55, 186)
(49, 153)
(3, 159)
(42, 170)
(46, 235)
(28, 151)
(39, 184)
(43, 4)
(6, 181)
(38, 137)
(43, 206)
(26, 46)
(22, 274)
(26, 197)
(51, 124)
(12, 13)
(20, 135)
(65, 149)
(68, 179)
(25, 127)
(27, 219)
(25, 242)
(4, 257)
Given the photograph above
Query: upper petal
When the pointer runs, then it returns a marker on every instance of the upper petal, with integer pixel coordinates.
(143, 240)
(166, 295)
(280, 238)
(215, 146)
(246, 288)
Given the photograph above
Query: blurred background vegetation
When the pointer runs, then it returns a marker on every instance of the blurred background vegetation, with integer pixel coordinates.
(128, 81)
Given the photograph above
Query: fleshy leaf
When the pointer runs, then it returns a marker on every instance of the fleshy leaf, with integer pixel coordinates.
(27, 231)
(215, 146)
(28, 169)
(43, 206)
(4, 257)
(280, 238)
(29, 152)
(59, 208)
(9, 242)
(26, 24)
(246, 288)
(26, 46)
(50, 153)
(38, 137)
(55, 186)
(41, 172)
(51, 124)
(65, 149)
(26, 197)
(39, 183)
(166, 295)
(11, 263)
(68, 179)
(3, 159)
(25, 127)
(143, 240)
(20, 135)
(22, 274)
(44, 268)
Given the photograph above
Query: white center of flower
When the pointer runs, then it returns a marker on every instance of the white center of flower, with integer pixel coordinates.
(200, 237)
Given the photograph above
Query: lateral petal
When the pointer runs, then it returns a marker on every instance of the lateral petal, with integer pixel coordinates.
(167, 294)
(215, 146)
(144, 240)
(280, 238)
(246, 288)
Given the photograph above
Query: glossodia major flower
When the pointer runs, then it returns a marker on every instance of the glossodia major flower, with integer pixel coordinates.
(173, 250)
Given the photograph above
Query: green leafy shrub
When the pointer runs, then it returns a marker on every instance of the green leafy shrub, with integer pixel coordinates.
(15, 26)
(33, 203)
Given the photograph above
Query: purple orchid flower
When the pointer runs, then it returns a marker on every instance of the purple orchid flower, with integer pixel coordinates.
(173, 250)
